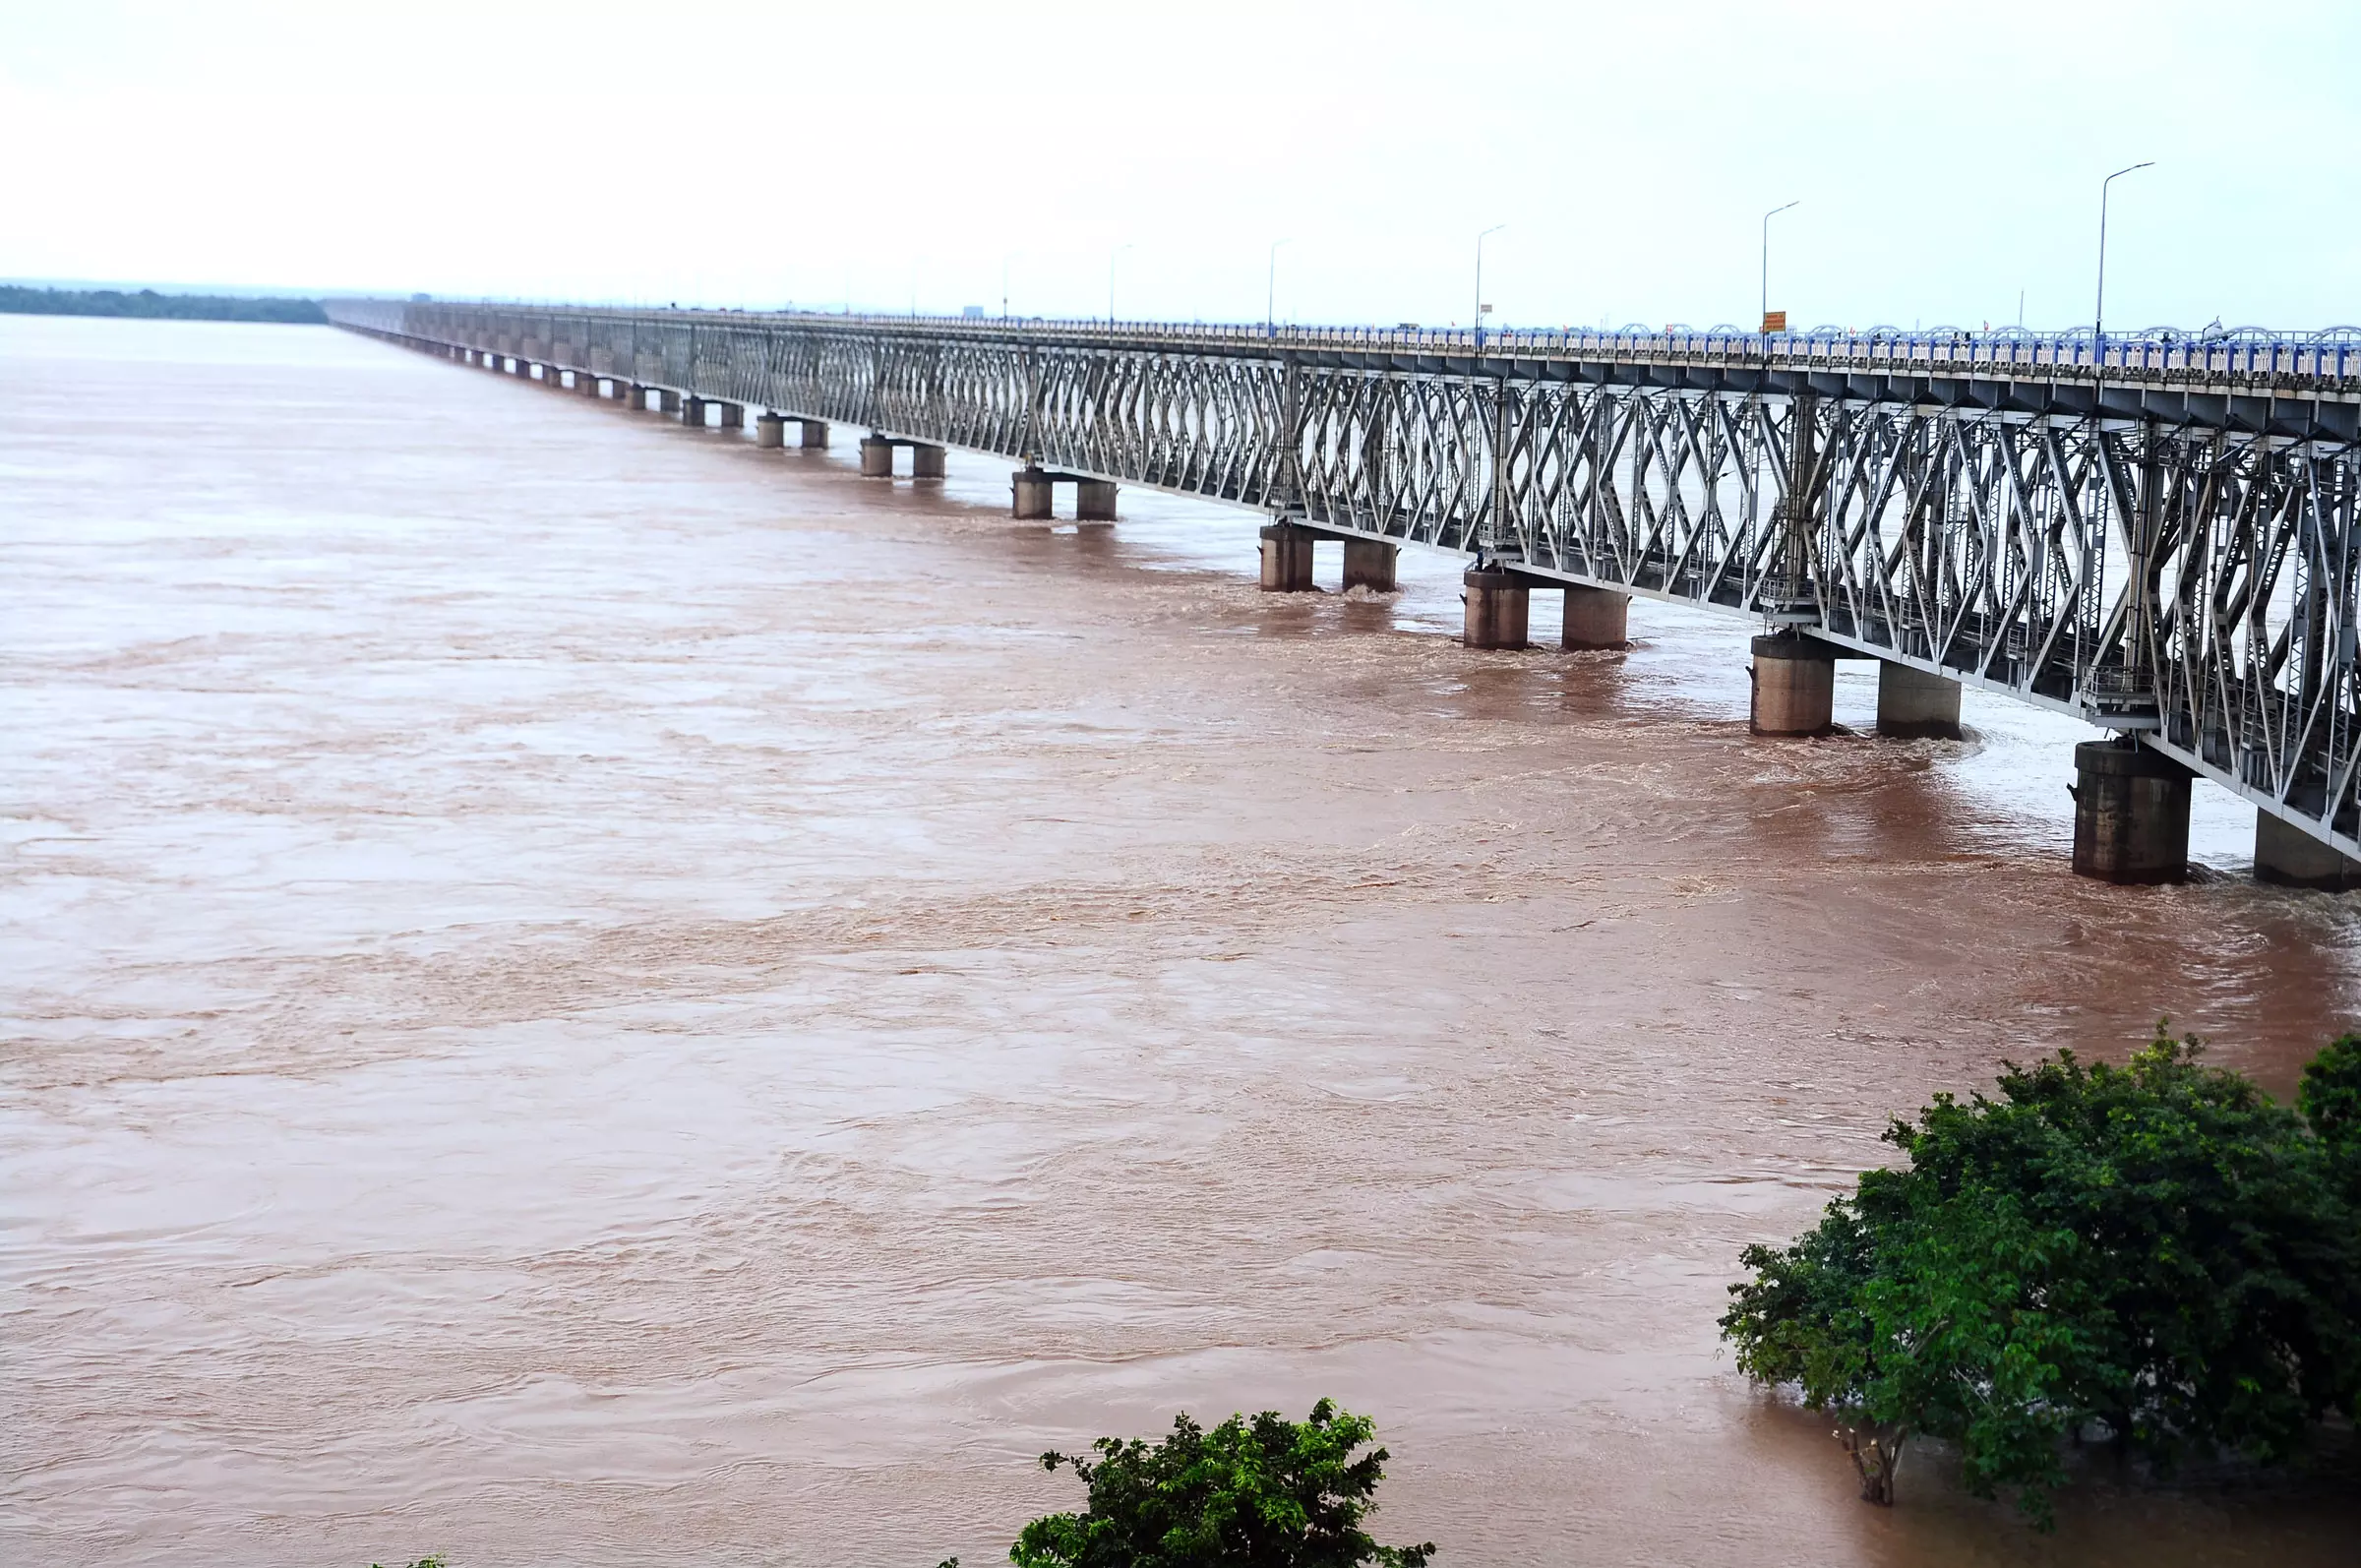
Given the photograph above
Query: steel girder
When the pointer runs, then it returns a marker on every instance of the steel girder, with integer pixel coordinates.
(2183, 566)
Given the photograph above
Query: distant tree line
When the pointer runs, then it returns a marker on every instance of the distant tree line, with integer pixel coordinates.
(148, 303)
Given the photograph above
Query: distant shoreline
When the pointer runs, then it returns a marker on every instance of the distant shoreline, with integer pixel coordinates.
(148, 305)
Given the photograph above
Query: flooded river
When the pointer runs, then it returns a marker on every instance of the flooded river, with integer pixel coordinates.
(580, 993)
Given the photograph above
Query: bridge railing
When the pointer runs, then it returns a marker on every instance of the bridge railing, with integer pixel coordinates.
(2323, 361)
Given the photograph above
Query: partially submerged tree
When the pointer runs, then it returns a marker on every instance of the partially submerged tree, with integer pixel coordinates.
(2157, 1250)
(1264, 1492)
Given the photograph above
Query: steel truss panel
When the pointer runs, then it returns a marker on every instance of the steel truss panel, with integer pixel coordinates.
(2176, 553)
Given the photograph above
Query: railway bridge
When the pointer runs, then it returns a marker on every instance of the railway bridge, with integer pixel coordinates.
(2157, 532)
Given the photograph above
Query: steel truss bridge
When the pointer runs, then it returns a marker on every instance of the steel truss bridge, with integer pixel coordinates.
(2158, 533)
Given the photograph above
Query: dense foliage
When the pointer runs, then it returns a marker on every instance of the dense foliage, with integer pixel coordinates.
(2156, 1253)
(1261, 1493)
(19, 301)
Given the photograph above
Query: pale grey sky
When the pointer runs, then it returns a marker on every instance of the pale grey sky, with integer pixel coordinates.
(1946, 157)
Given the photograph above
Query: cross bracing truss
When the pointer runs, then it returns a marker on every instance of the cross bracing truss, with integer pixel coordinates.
(2166, 549)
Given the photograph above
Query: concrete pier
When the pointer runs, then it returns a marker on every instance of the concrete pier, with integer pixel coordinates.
(876, 458)
(1032, 494)
(1286, 558)
(668, 401)
(1497, 608)
(1370, 564)
(1913, 704)
(2130, 814)
(815, 435)
(693, 412)
(1794, 687)
(925, 462)
(1596, 618)
(586, 383)
(2289, 856)
(769, 430)
(1094, 501)
(733, 415)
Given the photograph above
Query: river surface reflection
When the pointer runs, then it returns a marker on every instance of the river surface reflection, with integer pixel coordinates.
(582, 992)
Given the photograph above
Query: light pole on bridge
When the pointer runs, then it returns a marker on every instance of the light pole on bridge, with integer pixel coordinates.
(2098, 312)
(1110, 255)
(1767, 217)
(1480, 239)
(1270, 301)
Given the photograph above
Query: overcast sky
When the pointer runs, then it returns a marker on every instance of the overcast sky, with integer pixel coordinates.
(1946, 158)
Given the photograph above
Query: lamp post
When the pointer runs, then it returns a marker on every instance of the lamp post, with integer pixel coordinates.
(1110, 255)
(2098, 312)
(1270, 301)
(1480, 239)
(1767, 217)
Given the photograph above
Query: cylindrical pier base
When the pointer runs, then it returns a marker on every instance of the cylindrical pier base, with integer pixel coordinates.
(1094, 501)
(668, 401)
(1794, 687)
(815, 434)
(1369, 564)
(1912, 704)
(1498, 608)
(733, 415)
(1596, 618)
(925, 462)
(2130, 814)
(876, 458)
(2288, 856)
(693, 412)
(1032, 496)
(771, 431)
(1286, 558)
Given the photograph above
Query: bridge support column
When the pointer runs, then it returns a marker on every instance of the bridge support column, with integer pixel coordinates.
(1596, 618)
(733, 415)
(815, 434)
(2292, 858)
(668, 401)
(1369, 564)
(876, 458)
(1032, 494)
(2130, 814)
(1286, 558)
(1912, 704)
(1794, 687)
(1497, 608)
(1094, 501)
(693, 411)
(586, 383)
(769, 430)
(925, 462)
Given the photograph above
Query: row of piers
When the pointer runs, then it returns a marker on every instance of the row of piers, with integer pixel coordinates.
(2130, 804)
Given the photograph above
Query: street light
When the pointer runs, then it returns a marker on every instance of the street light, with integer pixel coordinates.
(1110, 255)
(2099, 312)
(1270, 303)
(1480, 239)
(1767, 217)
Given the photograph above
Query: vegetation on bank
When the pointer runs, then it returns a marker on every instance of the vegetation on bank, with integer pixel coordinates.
(2154, 1256)
(148, 303)
(1265, 1493)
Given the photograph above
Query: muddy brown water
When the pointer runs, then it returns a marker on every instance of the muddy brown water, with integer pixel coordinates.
(580, 993)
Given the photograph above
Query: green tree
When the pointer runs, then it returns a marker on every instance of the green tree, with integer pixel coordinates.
(2156, 1249)
(1261, 1493)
